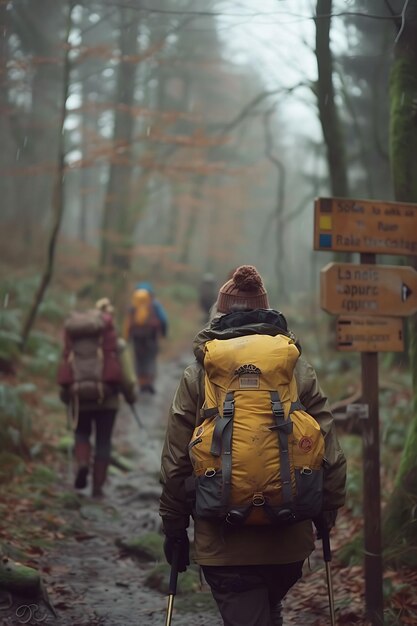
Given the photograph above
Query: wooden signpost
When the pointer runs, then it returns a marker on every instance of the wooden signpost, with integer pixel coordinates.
(372, 300)
(370, 334)
(369, 226)
(355, 289)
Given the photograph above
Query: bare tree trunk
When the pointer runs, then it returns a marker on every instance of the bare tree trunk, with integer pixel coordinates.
(279, 206)
(399, 527)
(196, 195)
(116, 227)
(329, 118)
(57, 198)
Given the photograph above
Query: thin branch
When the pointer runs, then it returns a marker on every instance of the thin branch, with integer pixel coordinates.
(403, 12)
(57, 198)
(247, 15)
(395, 17)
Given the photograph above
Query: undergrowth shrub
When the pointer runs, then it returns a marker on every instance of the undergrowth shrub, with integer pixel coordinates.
(43, 355)
(15, 422)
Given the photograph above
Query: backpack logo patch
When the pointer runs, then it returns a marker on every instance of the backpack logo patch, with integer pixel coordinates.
(248, 376)
(305, 444)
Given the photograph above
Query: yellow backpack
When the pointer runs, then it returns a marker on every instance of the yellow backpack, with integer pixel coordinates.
(257, 456)
(142, 307)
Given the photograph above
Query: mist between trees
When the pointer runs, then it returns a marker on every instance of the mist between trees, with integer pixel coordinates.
(185, 148)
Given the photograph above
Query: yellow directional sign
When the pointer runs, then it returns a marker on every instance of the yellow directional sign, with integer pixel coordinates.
(372, 226)
(361, 289)
(370, 334)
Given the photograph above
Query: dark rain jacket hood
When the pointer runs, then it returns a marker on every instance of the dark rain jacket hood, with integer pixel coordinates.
(241, 323)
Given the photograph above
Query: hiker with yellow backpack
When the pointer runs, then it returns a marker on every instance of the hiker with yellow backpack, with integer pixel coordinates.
(145, 323)
(251, 453)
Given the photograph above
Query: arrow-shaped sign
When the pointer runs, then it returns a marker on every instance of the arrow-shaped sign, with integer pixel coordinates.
(405, 292)
(348, 288)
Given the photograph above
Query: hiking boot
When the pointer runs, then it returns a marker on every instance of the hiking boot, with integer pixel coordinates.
(99, 477)
(148, 388)
(276, 614)
(81, 477)
(82, 451)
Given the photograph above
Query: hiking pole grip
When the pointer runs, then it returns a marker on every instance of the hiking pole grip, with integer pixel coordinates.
(325, 538)
(173, 578)
(172, 589)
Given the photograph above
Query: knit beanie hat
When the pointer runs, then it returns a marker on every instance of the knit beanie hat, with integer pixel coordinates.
(105, 305)
(245, 290)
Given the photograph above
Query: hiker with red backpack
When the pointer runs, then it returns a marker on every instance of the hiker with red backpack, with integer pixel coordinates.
(145, 323)
(95, 368)
(251, 454)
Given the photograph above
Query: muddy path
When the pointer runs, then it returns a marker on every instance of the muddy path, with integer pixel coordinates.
(91, 581)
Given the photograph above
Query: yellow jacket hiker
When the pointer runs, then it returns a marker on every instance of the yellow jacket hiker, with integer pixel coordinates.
(249, 565)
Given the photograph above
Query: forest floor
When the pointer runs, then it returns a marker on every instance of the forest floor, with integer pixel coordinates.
(92, 580)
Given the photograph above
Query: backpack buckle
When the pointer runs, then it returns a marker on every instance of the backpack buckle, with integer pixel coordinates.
(258, 499)
(228, 408)
(277, 409)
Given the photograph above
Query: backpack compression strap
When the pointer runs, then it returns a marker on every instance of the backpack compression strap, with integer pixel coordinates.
(284, 428)
(221, 443)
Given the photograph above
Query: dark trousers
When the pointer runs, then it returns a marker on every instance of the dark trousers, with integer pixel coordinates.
(250, 595)
(146, 352)
(104, 422)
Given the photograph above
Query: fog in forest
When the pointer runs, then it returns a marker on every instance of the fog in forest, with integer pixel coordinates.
(191, 139)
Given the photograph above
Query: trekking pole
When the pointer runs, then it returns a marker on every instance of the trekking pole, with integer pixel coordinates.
(327, 557)
(70, 446)
(172, 589)
(136, 416)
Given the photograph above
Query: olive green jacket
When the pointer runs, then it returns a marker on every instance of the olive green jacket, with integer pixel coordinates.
(214, 542)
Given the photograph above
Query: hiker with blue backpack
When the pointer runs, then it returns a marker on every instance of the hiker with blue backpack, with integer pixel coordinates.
(251, 454)
(145, 323)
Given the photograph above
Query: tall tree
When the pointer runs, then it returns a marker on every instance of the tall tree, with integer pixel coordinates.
(115, 226)
(57, 192)
(328, 112)
(363, 71)
(40, 37)
(399, 523)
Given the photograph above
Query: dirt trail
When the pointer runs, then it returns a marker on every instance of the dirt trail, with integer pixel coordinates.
(105, 587)
(90, 582)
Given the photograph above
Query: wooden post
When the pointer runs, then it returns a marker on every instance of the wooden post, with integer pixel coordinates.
(371, 485)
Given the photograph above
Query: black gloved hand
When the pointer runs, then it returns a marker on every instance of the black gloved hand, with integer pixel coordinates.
(178, 538)
(327, 519)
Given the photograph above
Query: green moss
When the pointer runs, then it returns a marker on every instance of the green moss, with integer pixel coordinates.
(403, 131)
(148, 547)
(18, 578)
(158, 578)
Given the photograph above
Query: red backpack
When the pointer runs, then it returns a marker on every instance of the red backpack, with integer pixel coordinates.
(90, 369)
